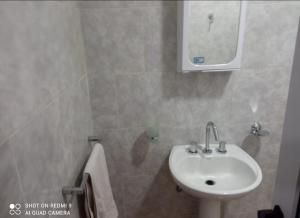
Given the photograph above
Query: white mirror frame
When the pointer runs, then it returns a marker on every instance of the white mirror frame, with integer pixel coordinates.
(183, 62)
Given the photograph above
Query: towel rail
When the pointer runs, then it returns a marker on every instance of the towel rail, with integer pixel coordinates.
(70, 190)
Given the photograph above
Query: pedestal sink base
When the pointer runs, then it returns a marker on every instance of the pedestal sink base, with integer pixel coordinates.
(209, 208)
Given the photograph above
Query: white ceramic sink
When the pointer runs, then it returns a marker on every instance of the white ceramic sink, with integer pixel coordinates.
(215, 176)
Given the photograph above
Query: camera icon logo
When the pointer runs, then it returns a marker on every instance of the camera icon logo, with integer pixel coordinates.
(14, 209)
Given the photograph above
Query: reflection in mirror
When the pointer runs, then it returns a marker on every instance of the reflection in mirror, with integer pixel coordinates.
(213, 31)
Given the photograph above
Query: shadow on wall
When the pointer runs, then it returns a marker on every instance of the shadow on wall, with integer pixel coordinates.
(251, 144)
(162, 199)
(140, 149)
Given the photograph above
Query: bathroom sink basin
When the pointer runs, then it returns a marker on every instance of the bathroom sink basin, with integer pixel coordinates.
(215, 176)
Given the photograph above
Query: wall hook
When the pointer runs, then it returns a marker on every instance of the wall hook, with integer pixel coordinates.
(257, 130)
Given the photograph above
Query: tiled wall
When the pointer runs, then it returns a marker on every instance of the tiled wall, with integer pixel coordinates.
(131, 59)
(45, 114)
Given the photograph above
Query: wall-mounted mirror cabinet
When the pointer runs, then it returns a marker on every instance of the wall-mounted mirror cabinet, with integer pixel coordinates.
(210, 35)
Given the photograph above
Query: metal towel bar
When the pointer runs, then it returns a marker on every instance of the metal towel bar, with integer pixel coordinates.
(76, 190)
(69, 190)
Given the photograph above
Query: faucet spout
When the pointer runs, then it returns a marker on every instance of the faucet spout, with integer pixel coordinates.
(216, 134)
(210, 125)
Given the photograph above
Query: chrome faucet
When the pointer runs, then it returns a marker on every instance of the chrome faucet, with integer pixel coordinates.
(209, 125)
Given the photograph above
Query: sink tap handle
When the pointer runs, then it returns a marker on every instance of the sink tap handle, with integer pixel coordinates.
(193, 148)
(222, 147)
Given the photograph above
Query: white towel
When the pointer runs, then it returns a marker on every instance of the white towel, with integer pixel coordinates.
(99, 201)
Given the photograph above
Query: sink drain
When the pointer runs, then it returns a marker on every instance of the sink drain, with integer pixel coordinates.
(210, 182)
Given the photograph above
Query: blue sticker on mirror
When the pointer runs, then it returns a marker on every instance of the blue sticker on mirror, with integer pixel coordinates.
(198, 60)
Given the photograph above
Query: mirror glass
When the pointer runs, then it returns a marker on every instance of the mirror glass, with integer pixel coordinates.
(213, 31)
